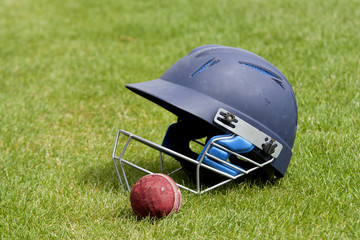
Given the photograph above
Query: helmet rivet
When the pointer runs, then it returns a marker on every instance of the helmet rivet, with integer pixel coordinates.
(229, 117)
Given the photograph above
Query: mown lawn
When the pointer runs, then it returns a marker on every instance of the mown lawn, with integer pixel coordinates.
(63, 67)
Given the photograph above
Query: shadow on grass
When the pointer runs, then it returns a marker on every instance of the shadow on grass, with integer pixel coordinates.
(105, 177)
(102, 176)
(245, 182)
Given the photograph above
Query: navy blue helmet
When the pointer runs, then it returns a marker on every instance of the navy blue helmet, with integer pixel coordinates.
(230, 97)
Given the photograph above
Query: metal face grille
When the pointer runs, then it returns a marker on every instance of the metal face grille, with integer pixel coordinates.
(120, 162)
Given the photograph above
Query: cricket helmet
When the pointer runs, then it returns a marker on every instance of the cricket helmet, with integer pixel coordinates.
(229, 96)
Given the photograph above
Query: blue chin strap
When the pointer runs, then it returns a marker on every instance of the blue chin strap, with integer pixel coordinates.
(217, 151)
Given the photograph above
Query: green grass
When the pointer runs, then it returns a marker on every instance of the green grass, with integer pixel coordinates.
(63, 67)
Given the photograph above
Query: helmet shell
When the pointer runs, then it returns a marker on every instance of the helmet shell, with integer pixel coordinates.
(212, 77)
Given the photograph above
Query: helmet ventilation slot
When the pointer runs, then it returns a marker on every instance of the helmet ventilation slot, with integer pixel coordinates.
(273, 76)
(259, 69)
(209, 63)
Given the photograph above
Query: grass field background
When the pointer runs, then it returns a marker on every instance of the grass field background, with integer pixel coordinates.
(63, 67)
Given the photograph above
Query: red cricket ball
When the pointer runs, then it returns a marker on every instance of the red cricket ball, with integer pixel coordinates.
(155, 195)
